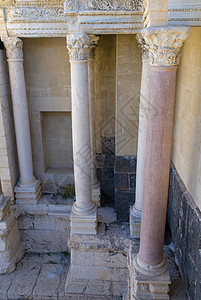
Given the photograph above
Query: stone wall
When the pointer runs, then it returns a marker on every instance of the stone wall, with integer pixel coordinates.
(184, 219)
(47, 75)
(186, 149)
(125, 184)
(105, 90)
(128, 81)
(128, 71)
(8, 154)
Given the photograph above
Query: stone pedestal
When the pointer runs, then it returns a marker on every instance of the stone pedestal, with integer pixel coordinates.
(28, 189)
(98, 264)
(10, 247)
(84, 212)
(95, 184)
(164, 45)
(136, 209)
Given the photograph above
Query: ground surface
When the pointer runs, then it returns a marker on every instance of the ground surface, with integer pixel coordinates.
(42, 276)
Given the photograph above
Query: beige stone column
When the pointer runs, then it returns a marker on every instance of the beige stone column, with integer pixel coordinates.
(28, 189)
(164, 44)
(84, 212)
(95, 184)
(136, 210)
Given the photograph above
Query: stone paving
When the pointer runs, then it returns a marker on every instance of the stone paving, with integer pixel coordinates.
(43, 276)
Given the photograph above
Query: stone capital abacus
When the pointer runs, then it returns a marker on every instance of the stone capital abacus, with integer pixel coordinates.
(164, 44)
(13, 47)
(78, 45)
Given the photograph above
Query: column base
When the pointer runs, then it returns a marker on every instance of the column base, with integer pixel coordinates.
(28, 194)
(95, 193)
(84, 224)
(135, 222)
(146, 286)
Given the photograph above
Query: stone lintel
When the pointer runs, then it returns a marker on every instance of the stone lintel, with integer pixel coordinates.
(28, 194)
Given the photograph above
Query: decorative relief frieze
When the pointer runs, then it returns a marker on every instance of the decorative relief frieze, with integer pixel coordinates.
(102, 5)
(18, 3)
(115, 5)
(36, 14)
(13, 47)
(78, 46)
(164, 44)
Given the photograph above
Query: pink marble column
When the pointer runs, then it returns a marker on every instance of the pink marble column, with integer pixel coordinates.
(164, 45)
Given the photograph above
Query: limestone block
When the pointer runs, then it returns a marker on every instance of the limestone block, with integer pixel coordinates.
(48, 282)
(99, 273)
(24, 282)
(99, 258)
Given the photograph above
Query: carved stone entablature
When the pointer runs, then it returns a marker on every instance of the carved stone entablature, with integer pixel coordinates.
(36, 14)
(78, 46)
(130, 5)
(164, 44)
(24, 3)
(13, 47)
(102, 5)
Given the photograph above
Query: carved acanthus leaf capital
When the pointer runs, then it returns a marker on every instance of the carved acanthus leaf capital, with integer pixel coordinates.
(78, 45)
(94, 39)
(144, 48)
(164, 44)
(13, 47)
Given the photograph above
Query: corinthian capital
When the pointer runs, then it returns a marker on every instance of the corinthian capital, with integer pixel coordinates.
(13, 47)
(94, 42)
(78, 46)
(164, 44)
(143, 46)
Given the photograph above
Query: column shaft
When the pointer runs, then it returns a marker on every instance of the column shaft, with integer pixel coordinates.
(28, 189)
(84, 212)
(81, 138)
(157, 163)
(95, 185)
(136, 210)
(21, 119)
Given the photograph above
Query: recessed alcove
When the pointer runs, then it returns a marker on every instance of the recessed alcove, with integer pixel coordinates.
(57, 141)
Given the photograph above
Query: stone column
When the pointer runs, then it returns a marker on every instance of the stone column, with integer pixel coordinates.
(95, 184)
(84, 212)
(136, 210)
(28, 189)
(164, 44)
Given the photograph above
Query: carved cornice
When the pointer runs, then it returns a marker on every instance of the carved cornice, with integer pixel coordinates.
(13, 47)
(36, 14)
(78, 46)
(164, 44)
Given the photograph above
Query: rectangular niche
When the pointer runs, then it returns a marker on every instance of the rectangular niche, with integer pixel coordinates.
(57, 141)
